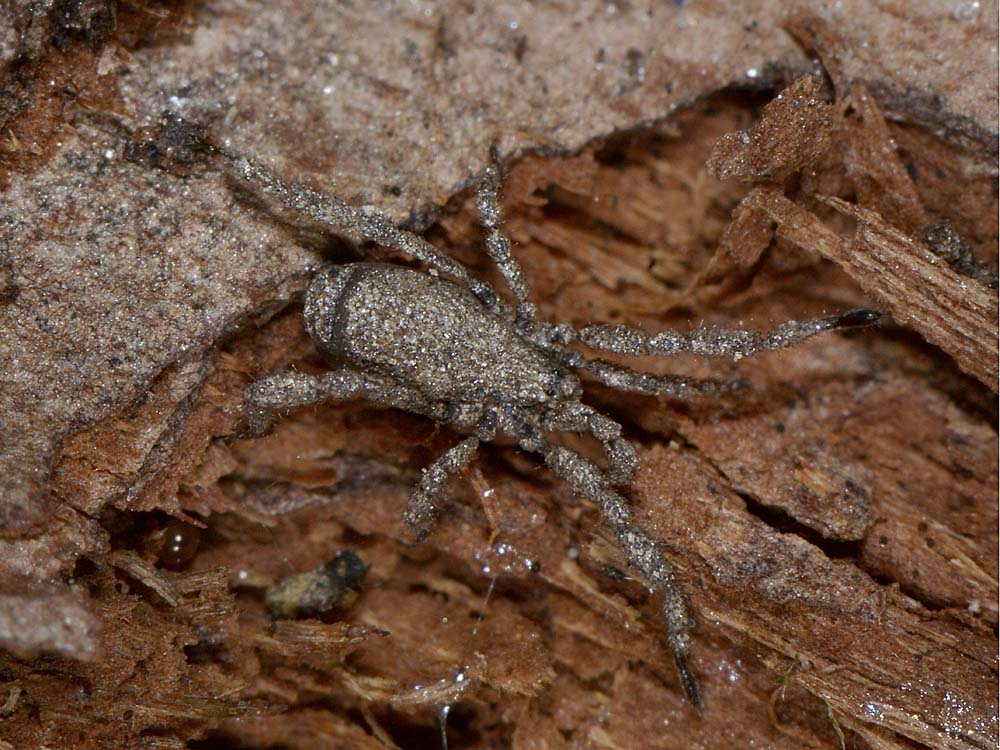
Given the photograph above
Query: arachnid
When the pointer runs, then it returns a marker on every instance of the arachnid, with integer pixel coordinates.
(452, 350)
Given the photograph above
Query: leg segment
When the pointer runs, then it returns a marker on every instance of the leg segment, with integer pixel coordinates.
(555, 338)
(639, 549)
(717, 342)
(626, 379)
(577, 417)
(421, 510)
(498, 245)
(287, 390)
(365, 222)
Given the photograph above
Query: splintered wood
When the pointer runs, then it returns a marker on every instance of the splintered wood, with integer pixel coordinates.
(955, 312)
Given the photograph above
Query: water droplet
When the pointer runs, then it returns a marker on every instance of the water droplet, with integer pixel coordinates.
(968, 11)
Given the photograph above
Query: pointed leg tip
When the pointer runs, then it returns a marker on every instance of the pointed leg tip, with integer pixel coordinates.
(418, 531)
(420, 522)
(858, 318)
(688, 682)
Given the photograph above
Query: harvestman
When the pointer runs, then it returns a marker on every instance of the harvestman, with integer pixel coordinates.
(454, 352)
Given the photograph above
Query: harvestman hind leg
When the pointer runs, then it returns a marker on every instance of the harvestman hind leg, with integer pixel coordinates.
(366, 222)
(641, 551)
(287, 390)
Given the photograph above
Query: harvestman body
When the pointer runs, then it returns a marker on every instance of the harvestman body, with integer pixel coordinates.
(456, 353)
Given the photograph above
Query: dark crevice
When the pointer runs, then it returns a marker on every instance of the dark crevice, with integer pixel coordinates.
(777, 518)
(942, 374)
(834, 549)
(919, 596)
(781, 521)
(217, 738)
(422, 731)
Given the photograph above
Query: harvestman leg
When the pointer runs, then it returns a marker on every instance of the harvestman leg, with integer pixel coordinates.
(554, 338)
(365, 222)
(736, 343)
(421, 510)
(626, 379)
(713, 342)
(641, 551)
(578, 417)
(498, 245)
(287, 390)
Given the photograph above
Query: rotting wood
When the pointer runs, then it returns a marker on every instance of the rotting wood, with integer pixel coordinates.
(957, 313)
(594, 672)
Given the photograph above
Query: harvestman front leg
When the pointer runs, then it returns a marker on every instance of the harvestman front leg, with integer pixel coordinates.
(555, 338)
(578, 417)
(641, 551)
(498, 245)
(708, 341)
(711, 341)
(626, 379)
(421, 510)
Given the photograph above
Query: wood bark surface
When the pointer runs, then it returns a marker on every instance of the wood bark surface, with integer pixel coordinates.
(834, 523)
